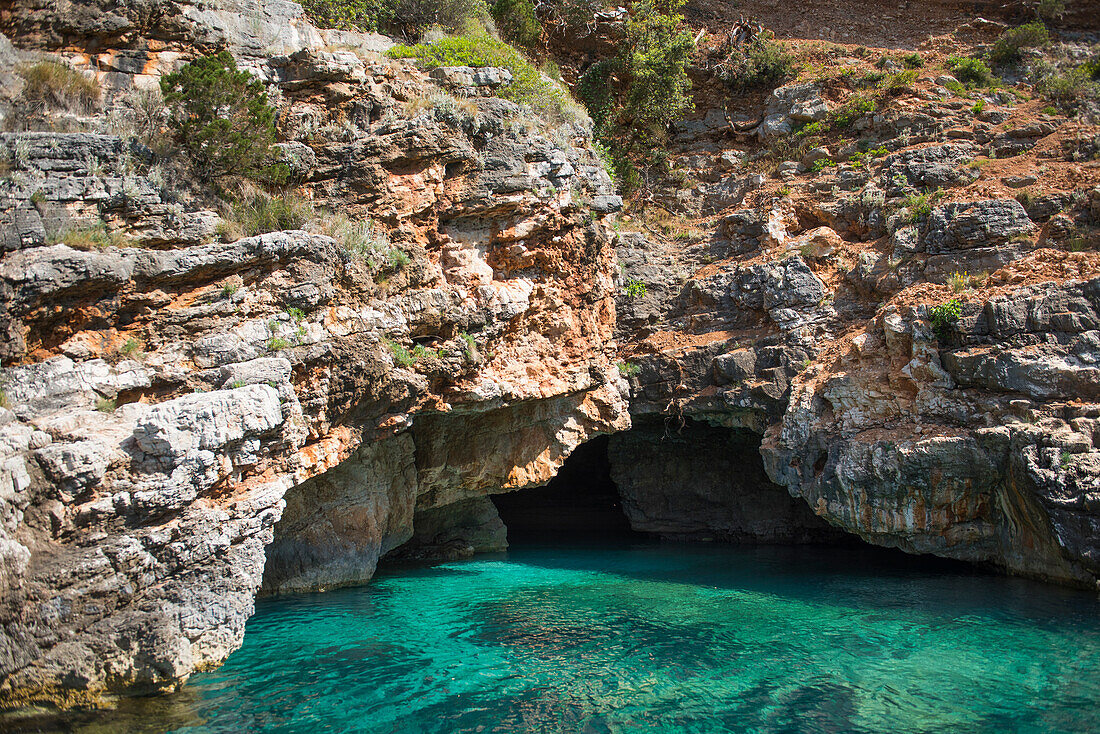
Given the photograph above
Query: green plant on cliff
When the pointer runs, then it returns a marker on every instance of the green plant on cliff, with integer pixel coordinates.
(516, 21)
(364, 15)
(944, 317)
(629, 369)
(658, 50)
(258, 213)
(634, 97)
(635, 288)
(51, 85)
(1009, 46)
(221, 117)
(761, 63)
(971, 72)
(479, 48)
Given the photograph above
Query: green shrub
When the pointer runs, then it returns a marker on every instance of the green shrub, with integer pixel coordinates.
(1091, 68)
(221, 117)
(899, 82)
(635, 288)
(761, 63)
(480, 49)
(276, 343)
(913, 60)
(1067, 90)
(401, 356)
(516, 22)
(106, 405)
(131, 349)
(971, 72)
(628, 369)
(658, 49)
(51, 85)
(409, 17)
(853, 109)
(363, 15)
(944, 317)
(261, 213)
(594, 90)
(1007, 48)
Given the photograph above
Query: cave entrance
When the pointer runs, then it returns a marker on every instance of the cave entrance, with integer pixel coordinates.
(694, 482)
(580, 503)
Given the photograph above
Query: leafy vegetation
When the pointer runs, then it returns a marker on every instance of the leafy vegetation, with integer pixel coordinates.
(944, 317)
(516, 21)
(634, 97)
(260, 213)
(479, 48)
(410, 17)
(220, 116)
(1008, 47)
(971, 72)
(364, 15)
(106, 405)
(635, 288)
(629, 369)
(763, 62)
(87, 237)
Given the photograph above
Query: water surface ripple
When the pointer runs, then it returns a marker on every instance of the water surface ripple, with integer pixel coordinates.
(664, 639)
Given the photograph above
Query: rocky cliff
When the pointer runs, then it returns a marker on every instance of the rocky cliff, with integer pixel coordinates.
(192, 417)
(188, 420)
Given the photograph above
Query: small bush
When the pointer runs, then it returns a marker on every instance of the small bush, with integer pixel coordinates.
(261, 213)
(899, 82)
(221, 117)
(762, 63)
(51, 85)
(362, 238)
(131, 349)
(913, 60)
(401, 356)
(480, 49)
(971, 72)
(657, 51)
(398, 259)
(944, 317)
(363, 15)
(277, 343)
(628, 369)
(1067, 90)
(516, 22)
(635, 288)
(1007, 48)
(854, 108)
(106, 405)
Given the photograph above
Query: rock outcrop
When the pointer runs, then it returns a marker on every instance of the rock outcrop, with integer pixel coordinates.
(191, 421)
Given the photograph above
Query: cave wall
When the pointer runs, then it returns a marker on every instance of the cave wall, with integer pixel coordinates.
(703, 482)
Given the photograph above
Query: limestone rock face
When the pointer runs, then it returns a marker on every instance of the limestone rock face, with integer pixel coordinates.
(191, 416)
(983, 450)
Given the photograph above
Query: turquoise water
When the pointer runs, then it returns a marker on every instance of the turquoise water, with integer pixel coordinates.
(665, 638)
(662, 639)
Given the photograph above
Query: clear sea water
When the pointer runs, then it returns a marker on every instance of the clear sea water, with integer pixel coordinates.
(657, 638)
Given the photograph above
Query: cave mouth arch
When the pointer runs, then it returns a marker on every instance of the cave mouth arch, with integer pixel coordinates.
(581, 502)
(693, 482)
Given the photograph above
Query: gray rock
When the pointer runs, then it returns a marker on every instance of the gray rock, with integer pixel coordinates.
(973, 225)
